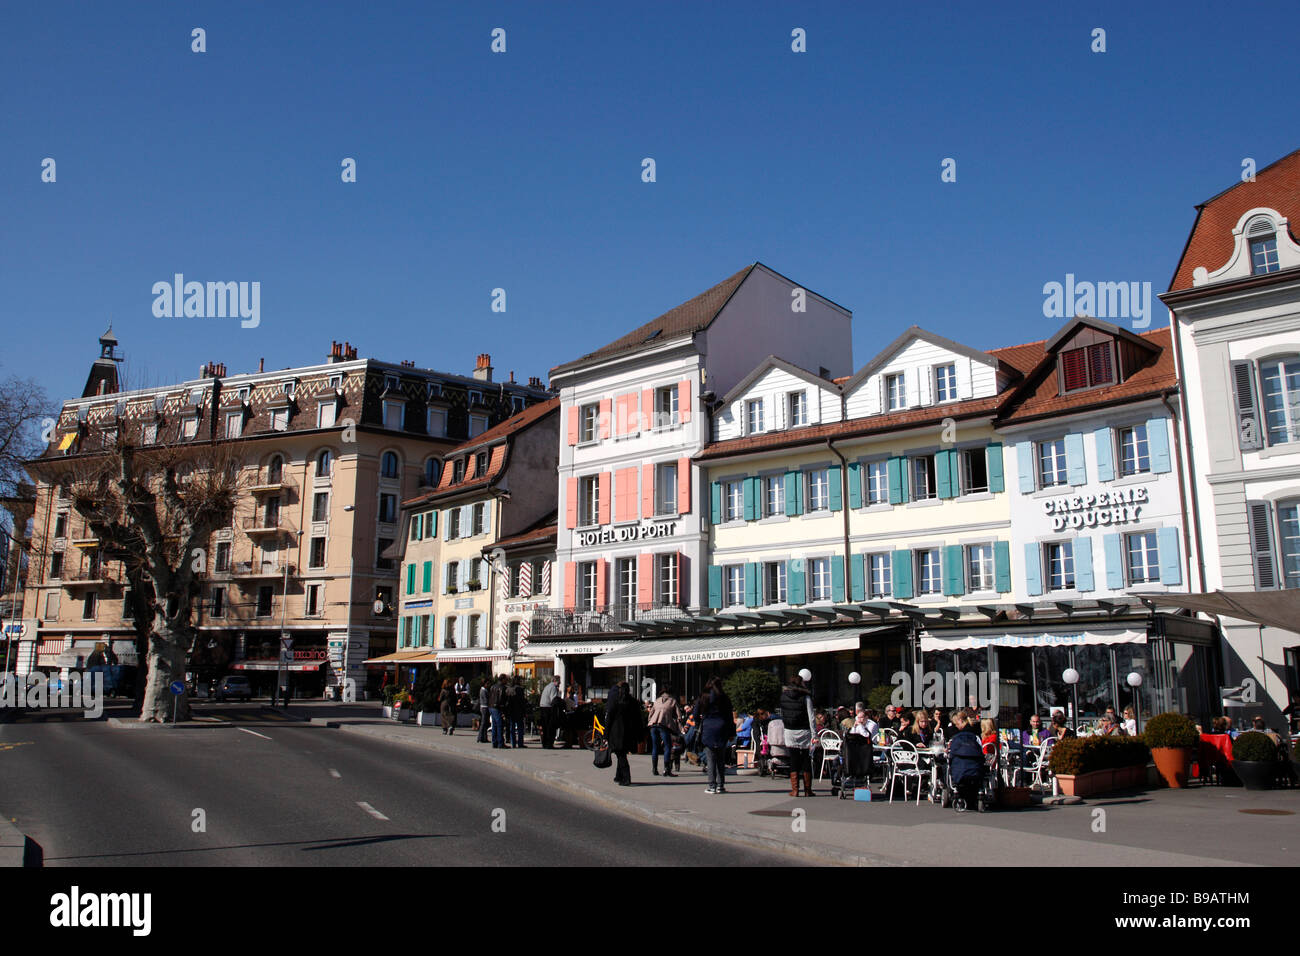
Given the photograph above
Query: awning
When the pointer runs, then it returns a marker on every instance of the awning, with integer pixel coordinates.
(67, 440)
(1271, 608)
(963, 639)
(741, 645)
(471, 655)
(544, 650)
(401, 657)
(273, 665)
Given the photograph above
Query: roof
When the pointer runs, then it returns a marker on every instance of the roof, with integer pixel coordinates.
(1210, 242)
(515, 423)
(538, 534)
(693, 315)
(911, 334)
(767, 365)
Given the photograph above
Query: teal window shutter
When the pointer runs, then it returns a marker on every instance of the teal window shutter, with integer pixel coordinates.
(837, 577)
(1105, 454)
(1074, 462)
(1083, 580)
(835, 486)
(752, 583)
(1171, 566)
(897, 493)
(751, 499)
(428, 576)
(1158, 446)
(954, 461)
(715, 502)
(715, 586)
(855, 485)
(1033, 569)
(943, 472)
(1114, 546)
(954, 572)
(1025, 462)
(410, 578)
(401, 632)
(901, 574)
(858, 587)
(1002, 566)
(997, 483)
(793, 485)
(794, 581)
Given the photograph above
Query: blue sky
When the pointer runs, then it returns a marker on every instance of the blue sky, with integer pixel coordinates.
(522, 170)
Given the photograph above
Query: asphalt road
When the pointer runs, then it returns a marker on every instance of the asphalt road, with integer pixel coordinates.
(284, 793)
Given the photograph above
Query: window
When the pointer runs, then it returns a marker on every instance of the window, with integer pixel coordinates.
(666, 407)
(979, 567)
(735, 582)
(733, 501)
(667, 578)
(754, 416)
(1288, 516)
(929, 575)
(880, 568)
(274, 470)
(437, 422)
(393, 414)
(317, 557)
(1087, 367)
(819, 579)
(480, 464)
(1134, 454)
(89, 605)
(453, 524)
(388, 465)
(326, 413)
(381, 562)
(312, 604)
(1060, 565)
(61, 525)
(625, 582)
(517, 403)
(477, 425)
(320, 506)
(945, 383)
(458, 471)
(52, 606)
(472, 630)
(587, 585)
(431, 471)
(1281, 387)
(475, 397)
(514, 635)
(923, 478)
(666, 489)
(271, 512)
(774, 582)
(449, 632)
(479, 518)
(234, 424)
(279, 419)
(974, 471)
(773, 495)
(56, 564)
(1051, 463)
(588, 422)
(387, 508)
(895, 392)
(798, 409)
(190, 424)
(432, 390)
(324, 463)
(588, 500)
(223, 556)
(287, 388)
(1263, 255)
(877, 482)
(819, 490)
(218, 606)
(1143, 557)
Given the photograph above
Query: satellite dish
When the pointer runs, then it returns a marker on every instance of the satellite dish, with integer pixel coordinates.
(378, 607)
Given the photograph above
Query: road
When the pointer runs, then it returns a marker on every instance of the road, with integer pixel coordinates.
(284, 793)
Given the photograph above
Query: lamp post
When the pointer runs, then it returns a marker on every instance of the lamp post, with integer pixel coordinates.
(855, 679)
(1071, 677)
(284, 608)
(1135, 681)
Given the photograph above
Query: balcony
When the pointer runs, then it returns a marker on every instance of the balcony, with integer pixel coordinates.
(260, 569)
(269, 487)
(610, 618)
(261, 524)
(89, 577)
(85, 542)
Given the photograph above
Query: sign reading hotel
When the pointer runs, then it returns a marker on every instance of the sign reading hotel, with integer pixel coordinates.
(1106, 508)
(639, 532)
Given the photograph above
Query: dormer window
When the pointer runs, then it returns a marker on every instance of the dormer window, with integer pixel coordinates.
(895, 392)
(433, 390)
(1263, 255)
(754, 416)
(1087, 367)
(390, 383)
(458, 471)
(288, 388)
(243, 394)
(945, 383)
(336, 382)
(480, 464)
(475, 398)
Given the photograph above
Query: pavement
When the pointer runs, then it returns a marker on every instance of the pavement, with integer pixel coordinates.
(1161, 827)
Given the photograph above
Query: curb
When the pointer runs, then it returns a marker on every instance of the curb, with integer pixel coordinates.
(812, 853)
(131, 723)
(16, 848)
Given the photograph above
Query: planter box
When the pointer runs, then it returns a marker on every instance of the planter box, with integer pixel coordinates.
(1012, 797)
(388, 711)
(1256, 774)
(1101, 781)
(1173, 764)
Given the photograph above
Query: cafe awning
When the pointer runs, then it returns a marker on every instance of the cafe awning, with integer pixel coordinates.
(738, 646)
(959, 639)
(271, 664)
(472, 655)
(1270, 608)
(400, 657)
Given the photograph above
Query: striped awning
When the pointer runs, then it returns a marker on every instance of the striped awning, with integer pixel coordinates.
(735, 646)
(400, 657)
(471, 655)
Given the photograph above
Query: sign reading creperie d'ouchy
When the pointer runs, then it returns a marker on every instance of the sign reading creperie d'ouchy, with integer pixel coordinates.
(1102, 509)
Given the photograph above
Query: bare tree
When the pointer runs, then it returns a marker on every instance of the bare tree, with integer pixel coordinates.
(23, 404)
(154, 508)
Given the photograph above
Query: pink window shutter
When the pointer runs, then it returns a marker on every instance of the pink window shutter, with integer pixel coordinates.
(601, 573)
(571, 502)
(625, 494)
(602, 495)
(683, 485)
(573, 425)
(620, 416)
(647, 491)
(603, 424)
(684, 400)
(645, 580)
(647, 409)
(683, 580)
(570, 584)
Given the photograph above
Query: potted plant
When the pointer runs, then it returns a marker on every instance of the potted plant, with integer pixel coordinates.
(472, 584)
(1171, 737)
(1084, 766)
(1254, 760)
(402, 705)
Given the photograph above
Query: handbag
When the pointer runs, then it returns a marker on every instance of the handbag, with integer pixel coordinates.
(601, 759)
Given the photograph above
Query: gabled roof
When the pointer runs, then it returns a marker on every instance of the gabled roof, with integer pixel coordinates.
(515, 423)
(766, 366)
(539, 532)
(910, 335)
(693, 315)
(1067, 330)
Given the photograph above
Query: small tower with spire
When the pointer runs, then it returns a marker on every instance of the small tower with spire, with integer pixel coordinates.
(103, 373)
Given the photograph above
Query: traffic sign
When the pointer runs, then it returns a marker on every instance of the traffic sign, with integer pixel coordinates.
(177, 688)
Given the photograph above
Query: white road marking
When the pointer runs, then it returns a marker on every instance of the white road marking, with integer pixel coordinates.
(371, 810)
(335, 774)
(254, 733)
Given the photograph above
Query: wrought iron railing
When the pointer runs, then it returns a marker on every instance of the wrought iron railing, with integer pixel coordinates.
(600, 619)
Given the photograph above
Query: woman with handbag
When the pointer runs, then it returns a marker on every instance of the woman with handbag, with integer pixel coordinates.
(447, 707)
(624, 728)
(665, 724)
(797, 716)
(717, 726)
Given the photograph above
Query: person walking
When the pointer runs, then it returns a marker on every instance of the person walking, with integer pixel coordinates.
(624, 728)
(717, 725)
(516, 711)
(552, 705)
(665, 724)
(447, 707)
(797, 716)
(496, 701)
(483, 713)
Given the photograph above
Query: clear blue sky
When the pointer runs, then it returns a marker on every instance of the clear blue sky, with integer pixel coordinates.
(523, 170)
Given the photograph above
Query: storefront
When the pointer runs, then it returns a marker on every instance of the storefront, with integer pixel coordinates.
(573, 659)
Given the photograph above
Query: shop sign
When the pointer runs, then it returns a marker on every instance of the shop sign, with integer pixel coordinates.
(464, 603)
(637, 532)
(1103, 509)
(520, 607)
(411, 605)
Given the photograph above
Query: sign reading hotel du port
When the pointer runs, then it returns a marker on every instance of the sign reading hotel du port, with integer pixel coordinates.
(1103, 509)
(637, 532)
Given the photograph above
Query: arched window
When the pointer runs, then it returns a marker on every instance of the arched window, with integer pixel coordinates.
(274, 470)
(1262, 236)
(389, 465)
(324, 463)
(431, 471)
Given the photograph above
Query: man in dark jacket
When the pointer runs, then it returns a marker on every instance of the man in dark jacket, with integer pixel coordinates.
(516, 711)
(965, 760)
(485, 716)
(496, 701)
(624, 728)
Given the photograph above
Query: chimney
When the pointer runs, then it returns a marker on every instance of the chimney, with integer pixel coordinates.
(408, 363)
(213, 370)
(260, 363)
(534, 382)
(341, 352)
(512, 376)
(483, 370)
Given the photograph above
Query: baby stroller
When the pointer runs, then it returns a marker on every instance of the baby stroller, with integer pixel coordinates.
(977, 785)
(853, 769)
(772, 756)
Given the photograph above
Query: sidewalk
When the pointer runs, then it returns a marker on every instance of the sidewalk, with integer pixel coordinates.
(1146, 829)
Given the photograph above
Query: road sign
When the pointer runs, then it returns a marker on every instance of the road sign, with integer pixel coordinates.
(16, 630)
(177, 688)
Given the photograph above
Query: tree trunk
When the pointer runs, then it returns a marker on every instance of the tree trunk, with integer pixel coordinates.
(166, 664)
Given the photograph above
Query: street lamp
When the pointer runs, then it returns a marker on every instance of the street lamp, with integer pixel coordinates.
(1071, 677)
(1135, 681)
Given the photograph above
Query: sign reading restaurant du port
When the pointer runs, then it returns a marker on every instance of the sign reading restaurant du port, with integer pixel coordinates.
(632, 532)
(1105, 508)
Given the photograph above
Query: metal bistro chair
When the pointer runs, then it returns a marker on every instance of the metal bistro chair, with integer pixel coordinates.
(830, 743)
(1034, 764)
(904, 763)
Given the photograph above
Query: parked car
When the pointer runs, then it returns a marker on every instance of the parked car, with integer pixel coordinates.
(234, 685)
